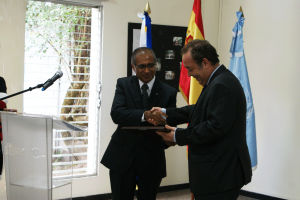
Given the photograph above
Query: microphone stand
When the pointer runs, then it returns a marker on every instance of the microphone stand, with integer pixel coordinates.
(29, 89)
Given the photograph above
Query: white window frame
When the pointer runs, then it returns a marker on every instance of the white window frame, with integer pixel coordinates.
(94, 99)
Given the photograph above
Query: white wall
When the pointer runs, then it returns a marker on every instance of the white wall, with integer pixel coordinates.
(272, 47)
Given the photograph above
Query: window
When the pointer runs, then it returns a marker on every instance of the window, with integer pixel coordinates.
(66, 38)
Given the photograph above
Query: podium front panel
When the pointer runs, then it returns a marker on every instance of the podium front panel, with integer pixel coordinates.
(26, 193)
(27, 143)
(27, 152)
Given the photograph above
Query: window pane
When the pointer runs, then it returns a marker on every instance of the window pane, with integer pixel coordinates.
(66, 38)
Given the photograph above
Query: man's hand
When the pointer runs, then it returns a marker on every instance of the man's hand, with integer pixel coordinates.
(151, 120)
(9, 110)
(155, 117)
(167, 136)
(155, 109)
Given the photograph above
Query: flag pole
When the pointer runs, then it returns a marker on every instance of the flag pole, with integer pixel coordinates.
(241, 10)
(147, 8)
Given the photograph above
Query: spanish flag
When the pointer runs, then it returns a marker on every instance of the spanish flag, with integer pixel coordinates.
(189, 86)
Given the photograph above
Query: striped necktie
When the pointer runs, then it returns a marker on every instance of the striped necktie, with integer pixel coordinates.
(145, 95)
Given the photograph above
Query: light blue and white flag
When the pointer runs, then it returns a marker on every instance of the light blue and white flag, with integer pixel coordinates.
(239, 68)
(145, 36)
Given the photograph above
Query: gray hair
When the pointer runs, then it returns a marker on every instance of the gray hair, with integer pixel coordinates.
(137, 50)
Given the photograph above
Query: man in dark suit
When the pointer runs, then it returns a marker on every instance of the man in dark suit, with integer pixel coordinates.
(219, 161)
(137, 157)
(2, 106)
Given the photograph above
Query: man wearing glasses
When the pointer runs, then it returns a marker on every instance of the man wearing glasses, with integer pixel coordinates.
(137, 157)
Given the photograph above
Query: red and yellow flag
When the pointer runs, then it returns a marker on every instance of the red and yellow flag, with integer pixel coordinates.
(189, 87)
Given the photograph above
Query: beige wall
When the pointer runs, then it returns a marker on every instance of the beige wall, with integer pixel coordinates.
(272, 46)
(12, 35)
(12, 45)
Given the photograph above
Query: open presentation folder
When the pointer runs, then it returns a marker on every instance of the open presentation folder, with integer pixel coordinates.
(158, 128)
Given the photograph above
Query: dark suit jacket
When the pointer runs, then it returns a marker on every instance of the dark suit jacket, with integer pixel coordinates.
(2, 85)
(145, 147)
(218, 154)
(2, 89)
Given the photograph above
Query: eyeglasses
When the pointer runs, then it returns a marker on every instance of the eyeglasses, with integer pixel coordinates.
(149, 66)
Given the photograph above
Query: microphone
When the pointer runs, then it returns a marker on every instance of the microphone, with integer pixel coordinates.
(50, 81)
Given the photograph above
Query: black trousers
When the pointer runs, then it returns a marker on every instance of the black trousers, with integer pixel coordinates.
(123, 185)
(231, 194)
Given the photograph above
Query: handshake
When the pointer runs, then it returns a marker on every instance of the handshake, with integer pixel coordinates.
(156, 117)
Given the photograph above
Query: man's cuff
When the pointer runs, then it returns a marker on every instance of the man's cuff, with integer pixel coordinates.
(174, 138)
(143, 120)
(164, 111)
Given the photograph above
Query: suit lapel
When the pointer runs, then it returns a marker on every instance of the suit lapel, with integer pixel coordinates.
(134, 88)
(221, 69)
(191, 116)
(155, 94)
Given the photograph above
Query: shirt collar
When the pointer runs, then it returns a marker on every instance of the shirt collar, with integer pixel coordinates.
(212, 74)
(150, 83)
